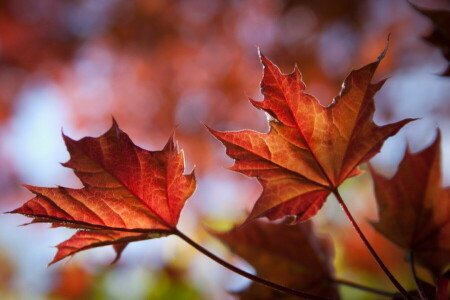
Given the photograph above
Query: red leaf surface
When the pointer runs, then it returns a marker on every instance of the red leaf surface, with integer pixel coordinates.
(414, 210)
(291, 255)
(129, 193)
(310, 149)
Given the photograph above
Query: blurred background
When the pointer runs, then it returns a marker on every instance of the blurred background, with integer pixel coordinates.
(160, 66)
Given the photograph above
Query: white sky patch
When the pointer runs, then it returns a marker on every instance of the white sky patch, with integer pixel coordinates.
(34, 144)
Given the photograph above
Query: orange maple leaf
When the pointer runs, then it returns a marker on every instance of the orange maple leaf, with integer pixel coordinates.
(129, 193)
(310, 149)
(414, 210)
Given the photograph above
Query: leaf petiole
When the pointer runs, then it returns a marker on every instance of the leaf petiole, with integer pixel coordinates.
(412, 265)
(363, 287)
(355, 225)
(241, 272)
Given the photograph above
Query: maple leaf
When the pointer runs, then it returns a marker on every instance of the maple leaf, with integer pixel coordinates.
(310, 149)
(414, 210)
(129, 193)
(274, 251)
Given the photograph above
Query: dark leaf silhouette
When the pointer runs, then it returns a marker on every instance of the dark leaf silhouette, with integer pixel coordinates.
(414, 210)
(292, 255)
(440, 36)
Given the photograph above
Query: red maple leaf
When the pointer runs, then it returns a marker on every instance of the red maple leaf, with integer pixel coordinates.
(414, 210)
(129, 193)
(310, 149)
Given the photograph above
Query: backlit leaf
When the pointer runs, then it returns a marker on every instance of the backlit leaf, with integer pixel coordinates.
(129, 193)
(310, 149)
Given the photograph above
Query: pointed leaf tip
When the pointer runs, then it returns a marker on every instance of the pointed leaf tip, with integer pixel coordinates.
(118, 248)
(260, 54)
(265, 61)
(383, 54)
(170, 144)
(114, 122)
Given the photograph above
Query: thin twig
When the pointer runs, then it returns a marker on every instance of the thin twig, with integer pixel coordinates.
(363, 287)
(255, 278)
(412, 266)
(391, 277)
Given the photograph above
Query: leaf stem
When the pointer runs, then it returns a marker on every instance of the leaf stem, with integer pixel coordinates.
(255, 278)
(412, 265)
(363, 287)
(370, 248)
